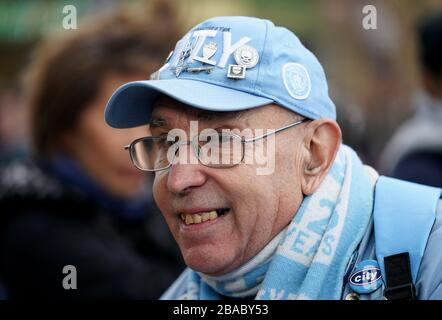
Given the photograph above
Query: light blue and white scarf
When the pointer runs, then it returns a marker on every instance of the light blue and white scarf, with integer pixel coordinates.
(308, 259)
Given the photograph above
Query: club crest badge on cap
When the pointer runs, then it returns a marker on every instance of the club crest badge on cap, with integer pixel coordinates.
(208, 52)
(296, 80)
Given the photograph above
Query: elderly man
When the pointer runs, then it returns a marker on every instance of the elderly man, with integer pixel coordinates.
(251, 176)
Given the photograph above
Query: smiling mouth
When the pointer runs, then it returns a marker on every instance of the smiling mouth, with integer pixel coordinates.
(196, 218)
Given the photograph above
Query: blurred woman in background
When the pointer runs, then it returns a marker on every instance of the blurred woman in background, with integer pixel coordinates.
(78, 200)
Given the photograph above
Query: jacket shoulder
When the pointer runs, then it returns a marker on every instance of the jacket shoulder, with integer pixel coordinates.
(404, 214)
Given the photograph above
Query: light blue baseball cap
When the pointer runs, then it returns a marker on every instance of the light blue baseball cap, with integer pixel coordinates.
(230, 64)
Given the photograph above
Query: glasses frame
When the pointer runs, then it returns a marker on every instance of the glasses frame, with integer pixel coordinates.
(131, 149)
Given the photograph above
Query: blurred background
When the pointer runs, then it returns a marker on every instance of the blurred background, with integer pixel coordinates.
(48, 89)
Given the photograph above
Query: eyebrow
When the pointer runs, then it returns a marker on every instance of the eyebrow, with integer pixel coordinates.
(213, 115)
(158, 121)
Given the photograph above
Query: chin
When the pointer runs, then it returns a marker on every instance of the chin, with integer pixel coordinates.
(211, 261)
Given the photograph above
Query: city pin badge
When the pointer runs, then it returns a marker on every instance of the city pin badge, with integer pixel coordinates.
(209, 50)
(236, 72)
(246, 56)
(184, 54)
(200, 69)
(366, 278)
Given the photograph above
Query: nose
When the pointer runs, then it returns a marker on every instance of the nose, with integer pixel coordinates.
(185, 175)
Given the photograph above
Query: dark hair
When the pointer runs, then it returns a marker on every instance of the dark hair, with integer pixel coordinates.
(67, 72)
(430, 43)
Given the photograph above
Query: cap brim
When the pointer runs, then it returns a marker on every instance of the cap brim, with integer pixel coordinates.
(131, 104)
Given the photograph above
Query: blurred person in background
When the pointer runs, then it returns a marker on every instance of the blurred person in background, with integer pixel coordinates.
(77, 200)
(415, 151)
(12, 115)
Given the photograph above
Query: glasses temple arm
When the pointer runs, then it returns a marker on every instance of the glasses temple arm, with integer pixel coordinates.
(276, 131)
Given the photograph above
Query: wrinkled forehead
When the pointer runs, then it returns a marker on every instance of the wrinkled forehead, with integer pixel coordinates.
(171, 111)
(165, 105)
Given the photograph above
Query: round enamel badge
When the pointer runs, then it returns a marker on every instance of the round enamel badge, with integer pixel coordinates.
(246, 56)
(366, 278)
(296, 80)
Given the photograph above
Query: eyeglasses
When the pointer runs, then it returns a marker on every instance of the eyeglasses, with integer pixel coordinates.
(216, 150)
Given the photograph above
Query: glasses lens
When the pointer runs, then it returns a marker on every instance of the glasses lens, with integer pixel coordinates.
(150, 153)
(220, 150)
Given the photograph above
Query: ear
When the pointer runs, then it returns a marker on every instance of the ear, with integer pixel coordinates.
(321, 142)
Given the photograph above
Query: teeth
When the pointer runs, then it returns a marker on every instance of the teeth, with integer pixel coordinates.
(189, 219)
(199, 218)
(206, 216)
(213, 215)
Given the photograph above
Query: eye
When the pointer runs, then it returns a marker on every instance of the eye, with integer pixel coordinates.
(224, 138)
(221, 137)
(169, 142)
(162, 142)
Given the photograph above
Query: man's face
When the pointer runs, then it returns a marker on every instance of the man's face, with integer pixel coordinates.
(255, 207)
